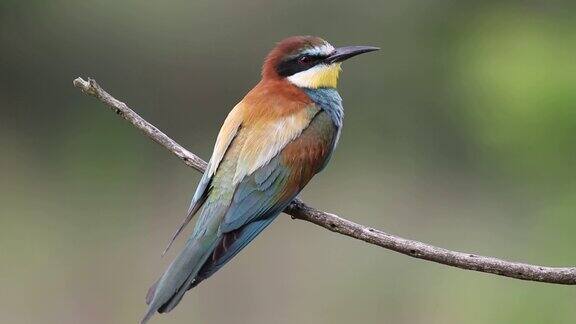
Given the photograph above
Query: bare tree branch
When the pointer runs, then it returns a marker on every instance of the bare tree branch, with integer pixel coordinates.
(299, 210)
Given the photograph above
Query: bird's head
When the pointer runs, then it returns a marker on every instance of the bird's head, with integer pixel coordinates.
(308, 61)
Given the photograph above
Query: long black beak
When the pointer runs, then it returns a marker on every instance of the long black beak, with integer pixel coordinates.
(343, 53)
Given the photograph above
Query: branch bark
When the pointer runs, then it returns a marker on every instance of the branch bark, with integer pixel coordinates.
(299, 210)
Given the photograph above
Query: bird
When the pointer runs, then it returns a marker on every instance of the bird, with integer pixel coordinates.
(271, 144)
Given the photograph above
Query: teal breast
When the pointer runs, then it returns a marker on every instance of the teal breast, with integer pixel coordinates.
(329, 100)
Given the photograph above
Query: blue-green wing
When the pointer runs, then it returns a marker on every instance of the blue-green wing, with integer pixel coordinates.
(260, 197)
(258, 200)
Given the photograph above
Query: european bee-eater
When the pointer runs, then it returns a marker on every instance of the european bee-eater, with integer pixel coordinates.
(271, 144)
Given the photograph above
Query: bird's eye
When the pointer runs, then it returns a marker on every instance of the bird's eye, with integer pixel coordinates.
(303, 60)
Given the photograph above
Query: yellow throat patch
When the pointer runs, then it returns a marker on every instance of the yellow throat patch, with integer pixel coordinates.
(320, 76)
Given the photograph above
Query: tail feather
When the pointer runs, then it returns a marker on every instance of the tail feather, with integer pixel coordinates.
(200, 258)
(151, 292)
(167, 292)
(148, 316)
(177, 297)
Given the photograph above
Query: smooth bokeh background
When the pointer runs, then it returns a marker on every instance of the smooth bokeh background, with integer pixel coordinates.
(460, 132)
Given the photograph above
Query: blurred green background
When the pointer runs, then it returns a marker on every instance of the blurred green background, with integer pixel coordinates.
(459, 132)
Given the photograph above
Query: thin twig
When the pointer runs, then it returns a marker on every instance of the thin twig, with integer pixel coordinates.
(299, 210)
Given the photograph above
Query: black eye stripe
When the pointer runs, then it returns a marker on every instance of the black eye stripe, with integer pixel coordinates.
(298, 63)
(311, 58)
(304, 59)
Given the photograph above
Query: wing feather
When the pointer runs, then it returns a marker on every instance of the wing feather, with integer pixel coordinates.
(225, 137)
(268, 137)
(261, 196)
(283, 176)
(263, 139)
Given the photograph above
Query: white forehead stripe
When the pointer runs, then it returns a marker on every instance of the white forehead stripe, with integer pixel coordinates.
(324, 49)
